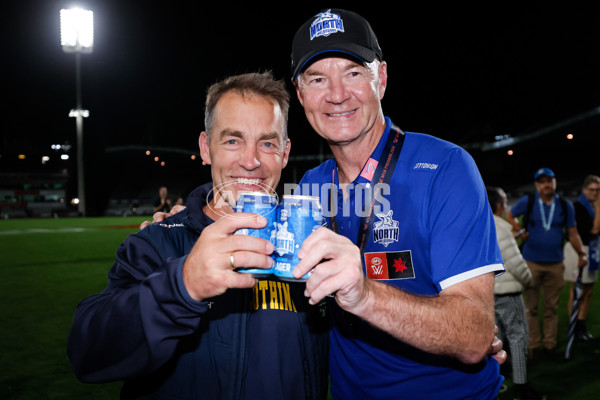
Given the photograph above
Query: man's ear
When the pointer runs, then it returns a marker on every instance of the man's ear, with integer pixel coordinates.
(204, 148)
(298, 94)
(286, 153)
(382, 79)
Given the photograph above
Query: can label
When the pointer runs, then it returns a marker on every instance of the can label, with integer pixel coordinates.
(266, 205)
(297, 218)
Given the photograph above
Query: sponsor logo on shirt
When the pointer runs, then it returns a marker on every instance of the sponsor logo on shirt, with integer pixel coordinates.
(369, 169)
(168, 226)
(272, 295)
(389, 265)
(385, 231)
(426, 166)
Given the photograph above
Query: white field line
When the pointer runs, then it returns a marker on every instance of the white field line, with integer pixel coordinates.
(41, 230)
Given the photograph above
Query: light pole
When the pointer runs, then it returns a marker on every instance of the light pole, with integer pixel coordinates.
(77, 36)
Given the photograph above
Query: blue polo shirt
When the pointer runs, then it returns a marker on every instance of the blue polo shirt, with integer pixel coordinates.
(545, 245)
(432, 228)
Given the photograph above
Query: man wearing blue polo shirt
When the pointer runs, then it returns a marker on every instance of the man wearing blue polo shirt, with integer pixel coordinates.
(545, 216)
(409, 263)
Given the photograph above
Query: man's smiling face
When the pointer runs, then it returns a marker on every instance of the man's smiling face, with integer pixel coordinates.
(341, 98)
(246, 148)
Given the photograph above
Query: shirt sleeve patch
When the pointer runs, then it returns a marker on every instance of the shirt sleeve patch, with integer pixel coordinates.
(389, 265)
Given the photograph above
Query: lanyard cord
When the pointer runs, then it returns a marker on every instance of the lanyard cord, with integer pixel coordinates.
(547, 224)
(383, 175)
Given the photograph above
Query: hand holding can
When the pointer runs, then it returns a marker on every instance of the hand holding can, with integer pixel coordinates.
(297, 218)
(266, 205)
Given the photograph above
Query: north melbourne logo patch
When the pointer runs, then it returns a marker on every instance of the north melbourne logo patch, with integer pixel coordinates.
(385, 231)
(325, 24)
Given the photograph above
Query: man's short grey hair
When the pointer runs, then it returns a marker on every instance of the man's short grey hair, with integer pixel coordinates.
(258, 84)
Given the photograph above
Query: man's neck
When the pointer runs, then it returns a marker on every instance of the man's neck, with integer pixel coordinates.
(215, 213)
(351, 157)
(547, 198)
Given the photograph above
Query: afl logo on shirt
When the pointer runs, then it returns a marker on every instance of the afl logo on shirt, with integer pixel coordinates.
(377, 265)
(385, 231)
(389, 265)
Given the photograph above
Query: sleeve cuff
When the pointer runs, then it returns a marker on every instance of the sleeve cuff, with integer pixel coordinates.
(200, 306)
(497, 269)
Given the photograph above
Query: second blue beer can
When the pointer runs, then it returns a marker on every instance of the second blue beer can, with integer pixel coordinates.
(266, 205)
(298, 217)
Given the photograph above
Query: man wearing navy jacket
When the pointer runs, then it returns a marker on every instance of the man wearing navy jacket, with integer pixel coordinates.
(176, 320)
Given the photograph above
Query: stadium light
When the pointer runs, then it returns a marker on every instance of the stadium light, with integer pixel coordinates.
(77, 36)
(77, 30)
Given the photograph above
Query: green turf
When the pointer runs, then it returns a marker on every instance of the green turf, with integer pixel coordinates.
(576, 378)
(49, 265)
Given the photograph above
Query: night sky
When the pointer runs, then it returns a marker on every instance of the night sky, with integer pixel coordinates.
(465, 72)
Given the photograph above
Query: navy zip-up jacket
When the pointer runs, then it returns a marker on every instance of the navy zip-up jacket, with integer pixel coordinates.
(145, 329)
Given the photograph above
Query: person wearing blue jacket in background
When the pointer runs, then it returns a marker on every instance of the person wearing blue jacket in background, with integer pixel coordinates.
(176, 320)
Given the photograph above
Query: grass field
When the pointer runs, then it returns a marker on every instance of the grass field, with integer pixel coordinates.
(49, 265)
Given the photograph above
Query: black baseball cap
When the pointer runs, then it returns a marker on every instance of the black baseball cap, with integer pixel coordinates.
(334, 30)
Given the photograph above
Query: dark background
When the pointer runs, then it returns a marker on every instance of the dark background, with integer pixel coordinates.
(466, 72)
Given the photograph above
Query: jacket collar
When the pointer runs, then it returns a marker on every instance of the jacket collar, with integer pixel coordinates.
(195, 218)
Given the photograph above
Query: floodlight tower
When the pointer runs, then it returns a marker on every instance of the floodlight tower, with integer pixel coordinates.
(77, 36)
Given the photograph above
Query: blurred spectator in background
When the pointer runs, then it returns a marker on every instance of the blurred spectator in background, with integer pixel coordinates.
(508, 297)
(162, 203)
(588, 226)
(545, 216)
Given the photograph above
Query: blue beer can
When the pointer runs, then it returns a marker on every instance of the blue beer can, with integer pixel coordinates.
(264, 204)
(297, 217)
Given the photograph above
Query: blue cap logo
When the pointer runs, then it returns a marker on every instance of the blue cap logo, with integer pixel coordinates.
(543, 171)
(325, 24)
